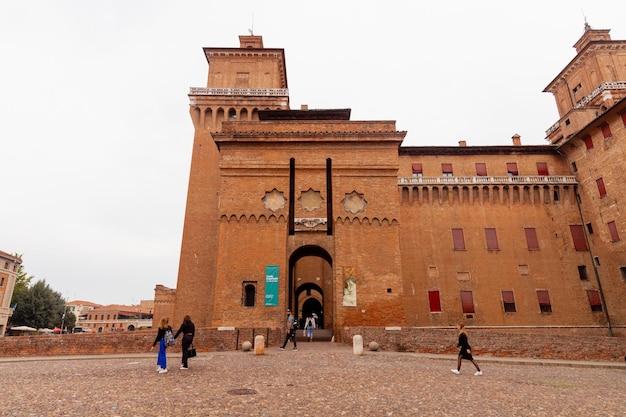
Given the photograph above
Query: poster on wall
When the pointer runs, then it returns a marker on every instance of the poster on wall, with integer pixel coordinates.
(271, 285)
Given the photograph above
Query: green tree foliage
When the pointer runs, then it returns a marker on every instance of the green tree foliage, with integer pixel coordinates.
(22, 281)
(39, 306)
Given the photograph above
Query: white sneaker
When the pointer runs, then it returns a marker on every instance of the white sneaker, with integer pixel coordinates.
(456, 371)
(183, 367)
(159, 369)
(162, 371)
(478, 373)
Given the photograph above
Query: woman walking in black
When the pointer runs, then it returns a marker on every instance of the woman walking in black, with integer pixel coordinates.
(465, 352)
(188, 330)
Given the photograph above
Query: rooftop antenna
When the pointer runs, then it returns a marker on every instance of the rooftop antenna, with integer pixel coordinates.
(587, 27)
(252, 30)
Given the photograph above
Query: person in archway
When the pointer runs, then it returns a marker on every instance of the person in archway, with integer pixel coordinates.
(290, 331)
(309, 325)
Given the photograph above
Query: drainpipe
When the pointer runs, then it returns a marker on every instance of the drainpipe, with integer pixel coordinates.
(593, 263)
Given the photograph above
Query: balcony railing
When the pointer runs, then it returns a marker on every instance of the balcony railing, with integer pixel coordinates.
(489, 180)
(259, 92)
(612, 85)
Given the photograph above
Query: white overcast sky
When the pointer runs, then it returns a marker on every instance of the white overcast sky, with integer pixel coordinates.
(95, 135)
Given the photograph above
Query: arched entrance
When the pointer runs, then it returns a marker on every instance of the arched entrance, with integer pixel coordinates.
(311, 283)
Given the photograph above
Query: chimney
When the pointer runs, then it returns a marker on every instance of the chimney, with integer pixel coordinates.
(517, 140)
(304, 107)
(462, 143)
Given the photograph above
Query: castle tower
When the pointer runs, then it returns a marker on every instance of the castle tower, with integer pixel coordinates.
(241, 81)
(590, 84)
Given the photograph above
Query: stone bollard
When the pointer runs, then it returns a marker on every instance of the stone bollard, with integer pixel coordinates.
(259, 345)
(357, 344)
(246, 346)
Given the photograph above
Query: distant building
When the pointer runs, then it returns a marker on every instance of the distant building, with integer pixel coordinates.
(9, 266)
(117, 318)
(81, 308)
(309, 210)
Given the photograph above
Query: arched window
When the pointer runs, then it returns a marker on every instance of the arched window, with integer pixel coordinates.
(249, 293)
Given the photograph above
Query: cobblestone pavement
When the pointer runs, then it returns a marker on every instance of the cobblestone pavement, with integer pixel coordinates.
(318, 380)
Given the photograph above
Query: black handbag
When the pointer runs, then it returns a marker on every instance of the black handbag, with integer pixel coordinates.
(191, 352)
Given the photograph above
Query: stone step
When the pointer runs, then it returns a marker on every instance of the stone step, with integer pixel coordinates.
(319, 335)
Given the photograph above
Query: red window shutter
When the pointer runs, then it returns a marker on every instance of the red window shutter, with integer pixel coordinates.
(435, 301)
(613, 231)
(458, 239)
(544, 297)
(417, 168)
(580, 244)
(481, 169)
(507, 297)
(542, 168)
(601, 187)
(623, 114)
(492, 238)
(511, 168)
(588, 142)
(531, 238)
(467, 302)
(594, 297)
(606, 130)
(446, 168)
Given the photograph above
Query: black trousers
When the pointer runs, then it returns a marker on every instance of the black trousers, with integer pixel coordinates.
(291, 335)
(187, 340)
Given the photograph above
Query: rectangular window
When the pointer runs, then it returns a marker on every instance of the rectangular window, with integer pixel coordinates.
(434, 301)
(458, 239)
(531, 238)
(613, 231)
(511, 169)
(606, 130)
(467, 302)
(582, 272)
(574, 167)
(623, 114)
(542, 168)
(578, 234)
(588, 142)
(417, 170)
(544, 301)
(594, 300)
(508, 300)
(622, 271)
(1, 283)
(481, 169)
(589, 228)
(446, 170)
(492, 238)
(601, 187)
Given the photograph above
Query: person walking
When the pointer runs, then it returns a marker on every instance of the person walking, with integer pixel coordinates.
(160, 339)
(188, 329)
(290, 331)
(310, 324)
(465, 352)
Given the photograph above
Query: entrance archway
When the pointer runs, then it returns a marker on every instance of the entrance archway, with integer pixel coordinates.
(310, 284)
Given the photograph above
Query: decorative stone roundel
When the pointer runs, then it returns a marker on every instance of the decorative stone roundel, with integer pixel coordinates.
(274, 200)
(354, 202)
(310, 200)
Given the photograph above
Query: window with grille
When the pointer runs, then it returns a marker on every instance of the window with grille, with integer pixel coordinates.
(508, 301)
(613, 231)
(531, 238)
(511, 169)
(417, 170)
(601, 187)
(594, 300)
(481, 169)
(578, 235)
(467, 302)
(435, 301)
(458, 239)
(492, 238)
(544, 301)
(606, 130)
(542, 168)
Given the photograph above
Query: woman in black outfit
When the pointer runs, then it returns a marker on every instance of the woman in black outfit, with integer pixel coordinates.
(465, 352)
(189, 331)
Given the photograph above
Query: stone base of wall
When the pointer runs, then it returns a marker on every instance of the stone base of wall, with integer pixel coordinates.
(589, 344)
(584, 344)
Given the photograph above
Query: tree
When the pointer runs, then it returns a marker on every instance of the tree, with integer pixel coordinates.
(22, 281)
(39, 306)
